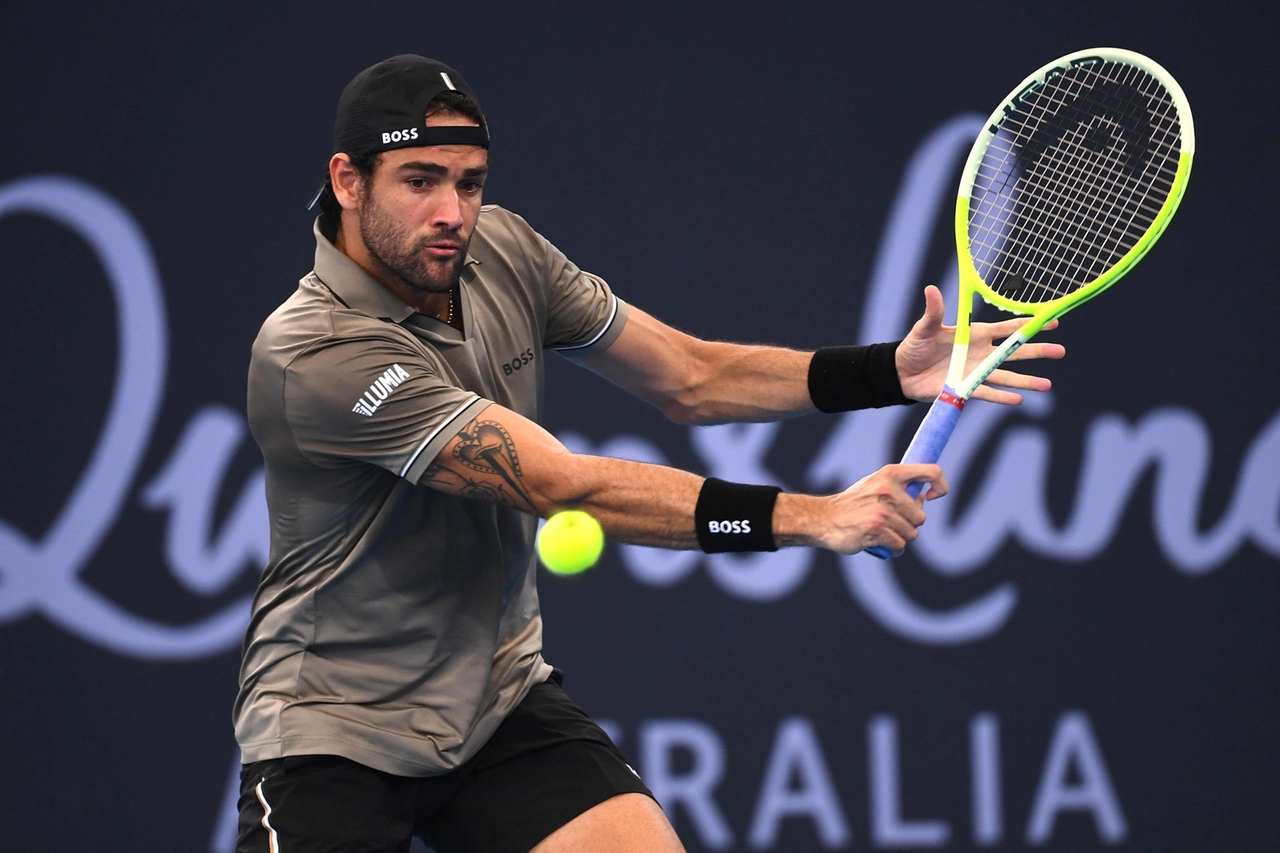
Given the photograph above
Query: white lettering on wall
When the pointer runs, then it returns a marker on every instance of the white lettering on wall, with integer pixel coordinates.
(984, 774)
(798, 783)
(44, 575)
(797, 755)
(693, 790)
(888, 828)
(188, 486)
(1075, 747)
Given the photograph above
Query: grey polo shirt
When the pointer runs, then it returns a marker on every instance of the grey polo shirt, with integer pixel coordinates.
(394, 624)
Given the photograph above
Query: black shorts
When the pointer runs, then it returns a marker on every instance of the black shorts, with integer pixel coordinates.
(545, 765)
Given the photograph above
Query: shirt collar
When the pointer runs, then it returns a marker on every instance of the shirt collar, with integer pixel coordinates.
(354, 286)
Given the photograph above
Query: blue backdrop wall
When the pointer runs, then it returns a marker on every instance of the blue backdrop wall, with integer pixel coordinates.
(1081, 650)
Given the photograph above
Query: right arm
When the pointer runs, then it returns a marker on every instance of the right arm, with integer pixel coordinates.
(503, 457)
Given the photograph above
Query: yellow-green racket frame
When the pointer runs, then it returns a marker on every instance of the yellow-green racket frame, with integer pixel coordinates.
(934, 431)
(1042, 313)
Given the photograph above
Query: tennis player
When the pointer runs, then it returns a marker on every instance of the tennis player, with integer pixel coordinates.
(393, 683)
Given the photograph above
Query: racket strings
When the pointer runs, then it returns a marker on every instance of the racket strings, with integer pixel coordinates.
(1086, 238)
(1081, 171)
(1087, 242)
(1104, 198)
(1073, 177)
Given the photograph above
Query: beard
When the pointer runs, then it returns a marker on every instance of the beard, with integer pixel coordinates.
(406, 258)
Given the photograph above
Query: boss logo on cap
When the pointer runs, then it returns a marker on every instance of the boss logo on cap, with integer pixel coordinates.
(400, 135)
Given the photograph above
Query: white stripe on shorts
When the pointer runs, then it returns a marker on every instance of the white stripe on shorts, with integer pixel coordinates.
(272, 838)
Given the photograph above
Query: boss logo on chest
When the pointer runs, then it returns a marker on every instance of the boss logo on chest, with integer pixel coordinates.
(523, 360)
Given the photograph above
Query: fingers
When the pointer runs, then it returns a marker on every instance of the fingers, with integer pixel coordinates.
(933, 304)
(1020, 381)
(1040, 350)
(934, 310)
(998, 396)
(1005, 328)
(918, 473)
(896, 534)
(893, 530)
(1000, 329)
(904, 514)
(1002, 385)
(878, 509)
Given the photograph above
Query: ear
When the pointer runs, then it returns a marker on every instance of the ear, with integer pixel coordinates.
(345, 180)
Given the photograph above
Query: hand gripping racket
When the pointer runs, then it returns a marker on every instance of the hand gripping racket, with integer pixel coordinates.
(1074, 178)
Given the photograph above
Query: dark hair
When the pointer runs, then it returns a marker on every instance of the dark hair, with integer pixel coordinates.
(455, 102)
(366, 164)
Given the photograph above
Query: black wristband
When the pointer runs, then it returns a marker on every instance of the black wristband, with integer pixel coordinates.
(734, 517)
(842, 379)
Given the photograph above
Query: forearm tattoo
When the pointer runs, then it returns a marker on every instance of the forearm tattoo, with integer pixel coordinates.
(487, 448)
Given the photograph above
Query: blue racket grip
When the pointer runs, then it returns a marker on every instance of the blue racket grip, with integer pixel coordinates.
(926, 447)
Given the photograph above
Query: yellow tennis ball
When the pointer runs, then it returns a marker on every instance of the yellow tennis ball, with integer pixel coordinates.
(570, 542)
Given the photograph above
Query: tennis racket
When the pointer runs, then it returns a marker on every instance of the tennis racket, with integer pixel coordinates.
(1072, 181)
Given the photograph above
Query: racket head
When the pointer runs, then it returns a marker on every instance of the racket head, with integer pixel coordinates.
(1073, 179)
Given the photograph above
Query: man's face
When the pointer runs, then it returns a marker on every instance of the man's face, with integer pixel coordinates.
(418, 210)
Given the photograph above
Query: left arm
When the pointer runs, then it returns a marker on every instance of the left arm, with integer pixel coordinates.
(709, 382)
(704, 382)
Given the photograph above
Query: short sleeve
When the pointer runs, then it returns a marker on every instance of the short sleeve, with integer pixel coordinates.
(583, 314)
(373, 401)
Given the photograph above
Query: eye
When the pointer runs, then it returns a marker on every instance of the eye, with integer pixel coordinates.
(419, 183)
(471, 187)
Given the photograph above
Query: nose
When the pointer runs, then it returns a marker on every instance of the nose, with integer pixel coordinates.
(448, 211)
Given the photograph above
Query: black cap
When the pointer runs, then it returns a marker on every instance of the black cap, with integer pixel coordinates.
(385, 108)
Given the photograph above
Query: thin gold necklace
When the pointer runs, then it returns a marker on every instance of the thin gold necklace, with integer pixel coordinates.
(449, 316)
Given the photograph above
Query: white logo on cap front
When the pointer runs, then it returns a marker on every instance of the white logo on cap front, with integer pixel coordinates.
(399, 135)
